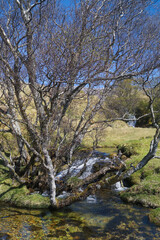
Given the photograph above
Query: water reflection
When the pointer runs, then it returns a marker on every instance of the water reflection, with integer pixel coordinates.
(105, 218)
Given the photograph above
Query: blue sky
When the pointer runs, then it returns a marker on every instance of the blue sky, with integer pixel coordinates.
(67, 3)
(155, 8)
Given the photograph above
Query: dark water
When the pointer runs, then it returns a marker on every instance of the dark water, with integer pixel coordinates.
(105, 217)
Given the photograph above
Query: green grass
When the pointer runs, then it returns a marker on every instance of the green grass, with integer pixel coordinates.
(119, 133)
(145, 183)
(154, 216)
(18, 195)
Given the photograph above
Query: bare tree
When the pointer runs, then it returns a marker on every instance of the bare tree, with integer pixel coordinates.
(50, 58)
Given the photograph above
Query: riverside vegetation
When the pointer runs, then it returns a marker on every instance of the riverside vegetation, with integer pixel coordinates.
(144, 184)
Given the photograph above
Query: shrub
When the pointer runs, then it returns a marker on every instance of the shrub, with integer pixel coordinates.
(127, 150)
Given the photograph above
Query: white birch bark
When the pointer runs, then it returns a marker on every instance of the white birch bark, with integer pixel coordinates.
(51, 177)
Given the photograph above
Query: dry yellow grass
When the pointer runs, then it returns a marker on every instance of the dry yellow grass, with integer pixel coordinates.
(119, 133)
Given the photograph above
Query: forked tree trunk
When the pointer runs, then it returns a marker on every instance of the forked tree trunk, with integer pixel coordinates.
(12, 115)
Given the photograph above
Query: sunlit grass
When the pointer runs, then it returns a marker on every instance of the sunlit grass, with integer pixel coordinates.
(119, 133)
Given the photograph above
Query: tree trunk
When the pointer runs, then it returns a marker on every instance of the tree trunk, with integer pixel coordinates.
(51, 177)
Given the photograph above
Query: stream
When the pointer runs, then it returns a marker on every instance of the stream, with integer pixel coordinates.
(103, 216)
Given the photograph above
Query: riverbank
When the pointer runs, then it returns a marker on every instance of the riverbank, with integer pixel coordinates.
(144, 184)
(99, 217)
(15, 194)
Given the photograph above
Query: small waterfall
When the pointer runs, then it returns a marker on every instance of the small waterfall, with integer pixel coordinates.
(91, 199)
(132, 121)
(118, 187)
(63, 195)
(78, 165)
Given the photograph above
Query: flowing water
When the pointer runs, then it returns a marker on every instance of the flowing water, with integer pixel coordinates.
(103, 216)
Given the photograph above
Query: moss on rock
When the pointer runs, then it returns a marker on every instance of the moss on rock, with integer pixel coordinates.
(154, 216)
(144, 199)
(73, 181)
(146, 193)
(13, 193)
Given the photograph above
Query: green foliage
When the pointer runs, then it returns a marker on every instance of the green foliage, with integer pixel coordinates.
(156, 107)
(154, 216)
(73, 181)
(124, 99)
(141, 110)
(127, 150)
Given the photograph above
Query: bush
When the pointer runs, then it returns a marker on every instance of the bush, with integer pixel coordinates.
(141, 110)
(127, 150)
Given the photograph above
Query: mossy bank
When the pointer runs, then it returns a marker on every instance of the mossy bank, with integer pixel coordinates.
(145, 184)
(154, 216)
(18, 195)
